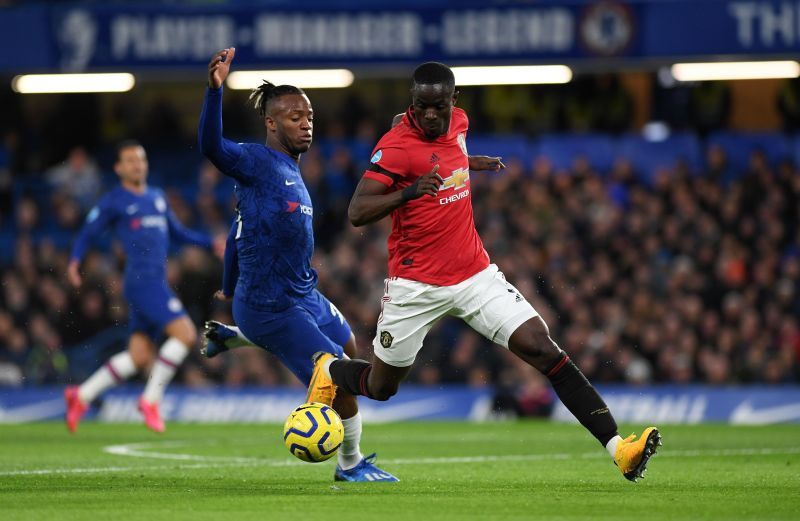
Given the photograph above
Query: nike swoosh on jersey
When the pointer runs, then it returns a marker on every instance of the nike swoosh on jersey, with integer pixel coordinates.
(288, 183)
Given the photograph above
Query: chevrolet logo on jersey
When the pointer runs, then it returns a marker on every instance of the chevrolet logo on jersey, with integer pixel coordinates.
(457, 180)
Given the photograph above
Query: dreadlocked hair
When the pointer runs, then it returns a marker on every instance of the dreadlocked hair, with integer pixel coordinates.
(266, 92)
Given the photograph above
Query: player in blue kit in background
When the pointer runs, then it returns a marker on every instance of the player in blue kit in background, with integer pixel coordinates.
(142, 222)
(275, 302)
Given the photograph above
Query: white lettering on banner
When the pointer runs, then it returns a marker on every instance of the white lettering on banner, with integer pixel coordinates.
(494, 31)
(170, 37)
(78, 40)
(765, 23)
(634, 408)
(387, 34)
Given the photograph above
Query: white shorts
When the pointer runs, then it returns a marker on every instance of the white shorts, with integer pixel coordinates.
(486, 301)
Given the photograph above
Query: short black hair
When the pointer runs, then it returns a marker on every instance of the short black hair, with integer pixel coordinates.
(434, 73)
(125, 144)
(263, 95)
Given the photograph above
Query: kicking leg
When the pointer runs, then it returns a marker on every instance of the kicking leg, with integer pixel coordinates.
(532, 342)
(219, 337)
(351, 464)
(377, 380)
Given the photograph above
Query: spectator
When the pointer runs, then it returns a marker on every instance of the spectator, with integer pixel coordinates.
(78, 177)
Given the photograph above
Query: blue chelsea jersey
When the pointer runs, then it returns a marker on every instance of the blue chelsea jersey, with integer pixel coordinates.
(143, 223)
(275, 238)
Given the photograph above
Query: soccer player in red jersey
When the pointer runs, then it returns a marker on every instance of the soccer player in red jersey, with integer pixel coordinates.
(419, 174)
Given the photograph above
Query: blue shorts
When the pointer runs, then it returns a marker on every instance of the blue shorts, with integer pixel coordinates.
(296, 333)
(151, 306)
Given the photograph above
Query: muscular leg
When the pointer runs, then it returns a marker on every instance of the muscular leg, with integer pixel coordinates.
(377, 380)
(345, 403)
(532, 342)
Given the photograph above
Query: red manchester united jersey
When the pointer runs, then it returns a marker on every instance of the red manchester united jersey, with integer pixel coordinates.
(433, 239)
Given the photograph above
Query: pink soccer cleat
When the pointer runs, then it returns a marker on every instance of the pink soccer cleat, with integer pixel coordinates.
(75, 408)
(152, 418)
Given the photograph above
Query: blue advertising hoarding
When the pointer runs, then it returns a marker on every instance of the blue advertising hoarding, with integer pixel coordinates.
(147, 35)
(756, 405)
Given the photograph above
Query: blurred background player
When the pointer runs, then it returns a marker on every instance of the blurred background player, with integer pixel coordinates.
(275, 302)
(438, 267)
(142, 221)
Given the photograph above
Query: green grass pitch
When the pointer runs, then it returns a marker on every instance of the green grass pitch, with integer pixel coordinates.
(458, 471)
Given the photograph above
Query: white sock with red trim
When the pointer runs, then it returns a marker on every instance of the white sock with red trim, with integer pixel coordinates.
(170, 357)
(118, 369)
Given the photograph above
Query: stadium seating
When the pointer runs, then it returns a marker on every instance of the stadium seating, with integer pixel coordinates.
(563, 149)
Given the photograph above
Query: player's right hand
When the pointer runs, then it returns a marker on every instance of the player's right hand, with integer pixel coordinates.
(74, 274)
(219, 66)
(427, 184)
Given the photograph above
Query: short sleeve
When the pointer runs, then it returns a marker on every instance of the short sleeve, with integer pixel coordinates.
(387, 165)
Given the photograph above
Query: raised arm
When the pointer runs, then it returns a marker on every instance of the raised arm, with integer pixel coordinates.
(224, 153)
(371, 203)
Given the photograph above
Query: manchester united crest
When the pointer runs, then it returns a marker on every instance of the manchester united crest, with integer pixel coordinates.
(386, 339)
(462, 142)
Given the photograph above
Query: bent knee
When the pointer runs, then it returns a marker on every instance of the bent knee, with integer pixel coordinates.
(536, 345)
(383, 392)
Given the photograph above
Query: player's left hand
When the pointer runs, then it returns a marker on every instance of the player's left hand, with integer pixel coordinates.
(222, 297)
(485, 163)
(219, 66)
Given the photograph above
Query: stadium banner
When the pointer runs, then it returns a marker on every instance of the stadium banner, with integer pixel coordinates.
(752, 405)
(756, 405)
(153, 36)
(244, 405)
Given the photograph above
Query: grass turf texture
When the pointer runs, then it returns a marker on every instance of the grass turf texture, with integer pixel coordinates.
(514, 470)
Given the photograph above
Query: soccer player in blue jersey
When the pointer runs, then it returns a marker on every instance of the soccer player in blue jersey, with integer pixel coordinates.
(143, 223)
(275, 303)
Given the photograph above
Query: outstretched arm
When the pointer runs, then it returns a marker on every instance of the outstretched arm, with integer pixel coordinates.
(485, 163)
(224, 153)
(371, 203)
(184, 235)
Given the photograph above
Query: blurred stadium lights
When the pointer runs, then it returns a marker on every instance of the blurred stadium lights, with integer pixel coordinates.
(512, 75)
(303, 78)
(735, 70)
(72, 83)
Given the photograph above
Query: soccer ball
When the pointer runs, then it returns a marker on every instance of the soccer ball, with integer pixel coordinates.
(313, 432)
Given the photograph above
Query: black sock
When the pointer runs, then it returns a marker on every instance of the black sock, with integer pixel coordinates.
(578, 395)
(351, 376)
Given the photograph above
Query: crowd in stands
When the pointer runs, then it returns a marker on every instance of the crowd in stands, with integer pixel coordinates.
(682, 279)
(688, 274)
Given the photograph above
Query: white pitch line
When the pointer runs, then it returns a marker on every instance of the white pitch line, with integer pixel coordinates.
(136, 450)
